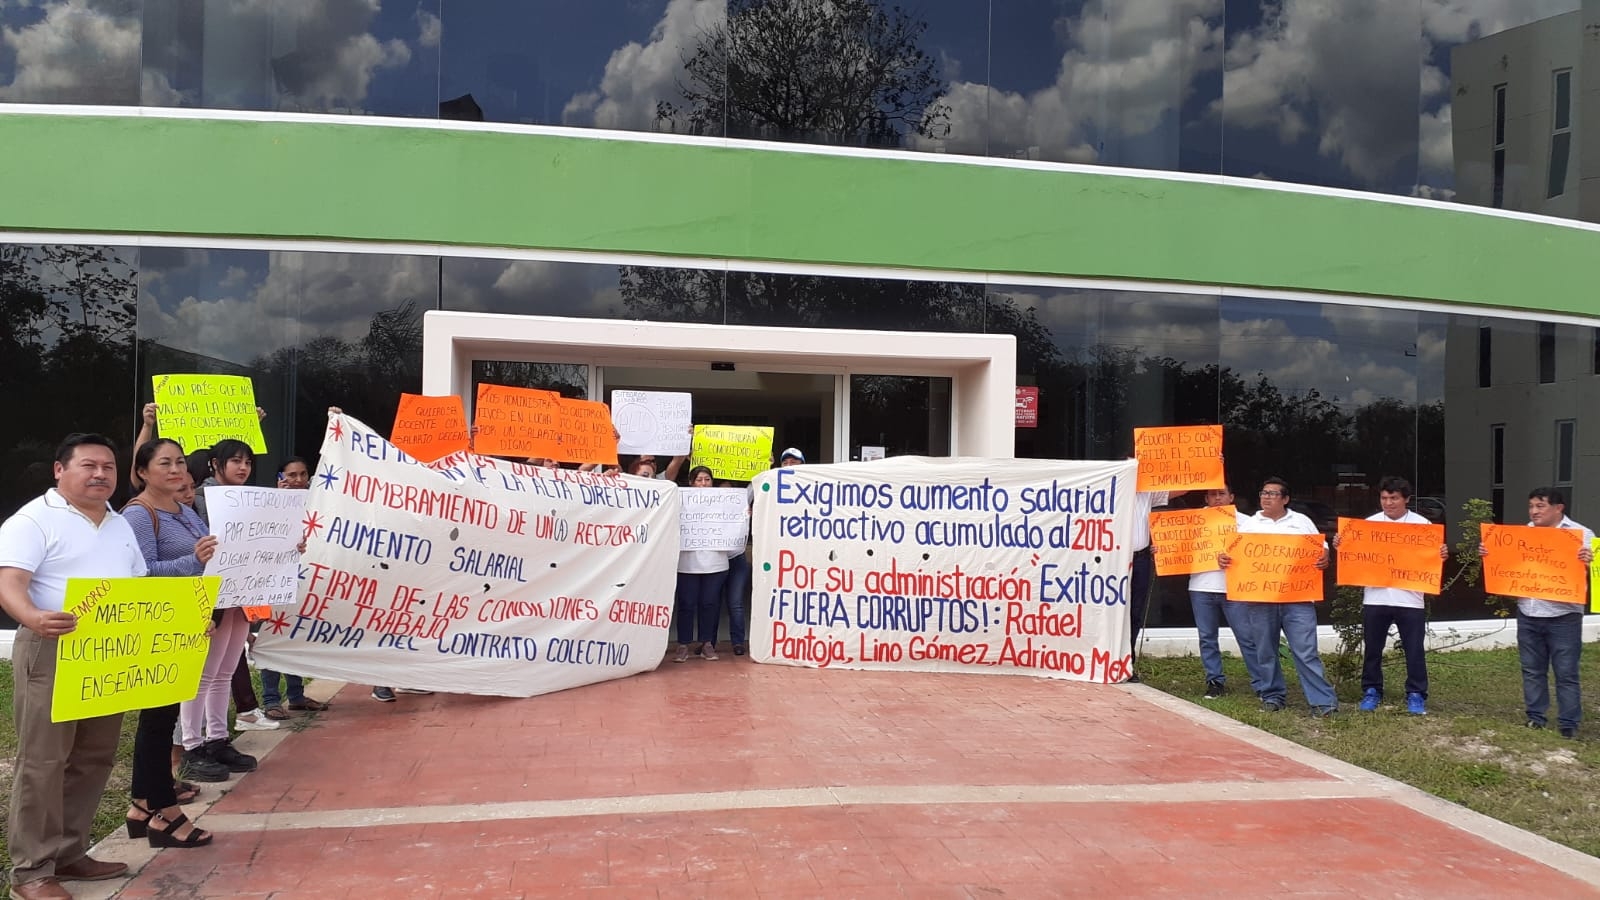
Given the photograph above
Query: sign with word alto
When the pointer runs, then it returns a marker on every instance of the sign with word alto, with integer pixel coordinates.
(258, 530)
(139, 643)
(197, 411)
(1009, 566)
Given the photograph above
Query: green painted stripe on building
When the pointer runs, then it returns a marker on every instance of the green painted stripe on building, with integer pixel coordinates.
(211, 178)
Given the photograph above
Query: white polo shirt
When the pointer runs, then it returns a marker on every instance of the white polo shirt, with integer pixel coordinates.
(1215, 581)
(1547, 609)
(52, 539)
(1291, 523)
(1385, 596)
(1144, 502)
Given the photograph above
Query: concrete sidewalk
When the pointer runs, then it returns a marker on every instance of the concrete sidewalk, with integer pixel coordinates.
(730, 779)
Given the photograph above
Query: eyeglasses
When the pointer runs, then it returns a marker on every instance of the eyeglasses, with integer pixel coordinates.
(1271, 493)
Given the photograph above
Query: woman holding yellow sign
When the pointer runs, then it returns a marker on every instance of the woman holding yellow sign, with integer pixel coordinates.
(174, 542)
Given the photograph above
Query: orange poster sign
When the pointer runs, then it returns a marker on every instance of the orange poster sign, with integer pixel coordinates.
(587, 433)
(429, 428)
(1375, 553)
(517, 422)
(1275, 568)
(1524, 561)
(1188, 540)
(1183, 458)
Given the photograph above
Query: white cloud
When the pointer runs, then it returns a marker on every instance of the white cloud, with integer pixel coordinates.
(429, 29)
(638, 76)
(1126, 69)
(80, 52)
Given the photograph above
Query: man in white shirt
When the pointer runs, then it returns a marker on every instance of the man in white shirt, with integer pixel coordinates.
(61, 768)
(1143, 573)
(1550, 634)
(1382, 607)
(1208, 598)
(1297, 622)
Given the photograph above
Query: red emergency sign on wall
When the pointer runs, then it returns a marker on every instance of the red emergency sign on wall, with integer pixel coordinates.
(1027, 407)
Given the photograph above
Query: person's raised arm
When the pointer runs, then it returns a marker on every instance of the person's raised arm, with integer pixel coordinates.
(147, 433)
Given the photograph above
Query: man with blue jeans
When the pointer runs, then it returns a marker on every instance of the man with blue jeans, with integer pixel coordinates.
(1208, 597)
(1550, 634)
(1383, 607)
(1297, 622)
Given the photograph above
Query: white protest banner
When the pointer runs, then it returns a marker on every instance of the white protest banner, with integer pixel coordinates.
(257, 531)
(474, 575)
(714, 519)
(656, 422)
(946, 565)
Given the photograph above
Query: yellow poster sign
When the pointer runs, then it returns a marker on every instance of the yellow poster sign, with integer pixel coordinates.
(197, 411)
(140, 643)
(733, 452)
(1594, 577)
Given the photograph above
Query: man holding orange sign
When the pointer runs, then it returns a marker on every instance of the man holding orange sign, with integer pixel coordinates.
(1280, 598)
(1549, 627)
(1390, 559)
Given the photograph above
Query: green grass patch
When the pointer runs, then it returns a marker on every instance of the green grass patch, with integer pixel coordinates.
(1472, 748)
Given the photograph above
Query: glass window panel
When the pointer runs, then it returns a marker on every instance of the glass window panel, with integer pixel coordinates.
(67, 319)
(903, 415)
(70, 51)
(1560, 154)
(583, 290)
(311, 330)
(567, 379)
(1324, 92)
(334, 56)
(603, 63)
(1563, 99)
(1564, 431)
(1486, 100)
(1100, 81)
(1547, 353)
(827, 301)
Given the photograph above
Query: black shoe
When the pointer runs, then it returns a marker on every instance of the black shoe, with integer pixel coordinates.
(1215, 687)
(1133, 678)
(1533, 724)
(1569, 732)
(198, 765)
(739, 649)
(383, 694)
(223, 752)
(1272, 705)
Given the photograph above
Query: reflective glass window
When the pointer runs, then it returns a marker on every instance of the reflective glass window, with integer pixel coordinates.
(333, 56)
(583, 290)
(602, 63)
(826, 301)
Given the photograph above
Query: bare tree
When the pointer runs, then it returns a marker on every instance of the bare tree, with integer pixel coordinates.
(823, 71)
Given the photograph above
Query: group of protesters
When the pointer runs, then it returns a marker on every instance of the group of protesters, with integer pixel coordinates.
(62, 767)
(1549, 634)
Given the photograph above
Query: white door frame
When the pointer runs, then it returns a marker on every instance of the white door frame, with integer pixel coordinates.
(982, 367)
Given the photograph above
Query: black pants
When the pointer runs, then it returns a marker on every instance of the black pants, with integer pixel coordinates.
(152, 757)
(244, 690)
(1144, 572)
(1413, 625)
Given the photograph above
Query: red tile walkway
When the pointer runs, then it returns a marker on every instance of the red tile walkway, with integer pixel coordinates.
(730, 779)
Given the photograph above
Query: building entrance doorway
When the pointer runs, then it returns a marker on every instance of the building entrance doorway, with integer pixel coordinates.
(836, 394)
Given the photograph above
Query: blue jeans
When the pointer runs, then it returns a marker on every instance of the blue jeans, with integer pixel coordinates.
(1413, 626)
(737, 593)
(699, 602)
(1545, 643)
(1297, 622)
(269, 688)
(1210, 609)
